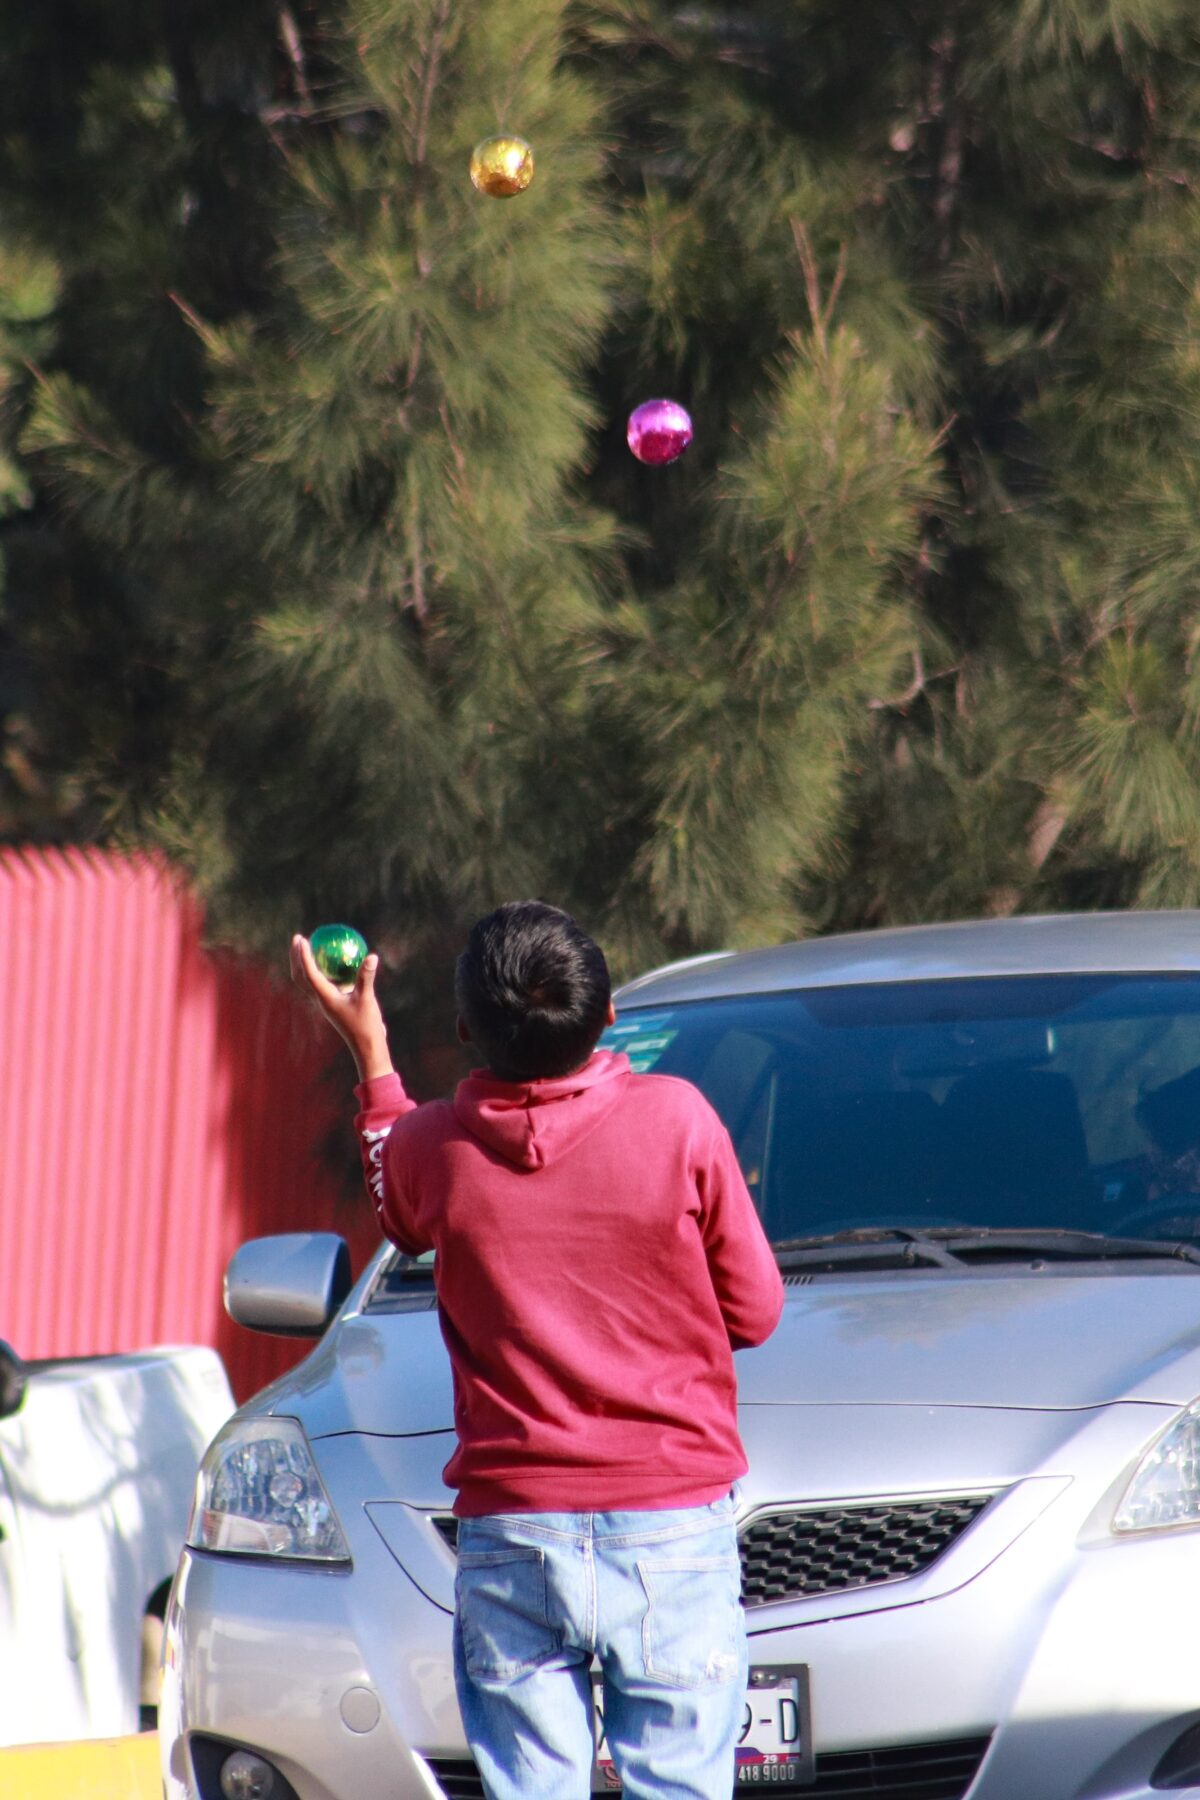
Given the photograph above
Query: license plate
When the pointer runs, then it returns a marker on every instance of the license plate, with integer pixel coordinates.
(774, 1746)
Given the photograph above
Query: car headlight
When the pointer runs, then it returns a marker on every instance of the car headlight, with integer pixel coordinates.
(258, 1493)
(1165, 1489)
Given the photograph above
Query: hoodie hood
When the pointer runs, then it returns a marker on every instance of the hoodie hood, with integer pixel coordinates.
(534, 1123)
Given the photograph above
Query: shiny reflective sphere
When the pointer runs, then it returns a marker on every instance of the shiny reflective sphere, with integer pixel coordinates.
(502, 166)
(338, 951)
(658, 431)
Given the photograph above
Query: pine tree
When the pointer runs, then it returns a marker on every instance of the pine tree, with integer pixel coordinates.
(1001, 201)
(368, 576)
(401, 426)
(331, 449)
(134, 161)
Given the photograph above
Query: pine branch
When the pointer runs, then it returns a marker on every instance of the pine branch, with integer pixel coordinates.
(538, 693)
(819, 312)
(289, 32)
(433, 57)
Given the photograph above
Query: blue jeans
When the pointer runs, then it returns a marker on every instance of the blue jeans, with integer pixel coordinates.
(655, 1597)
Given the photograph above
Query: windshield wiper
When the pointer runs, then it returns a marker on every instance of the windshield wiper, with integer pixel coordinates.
(1069, 1245)
(875, 1244)
(951, 1246)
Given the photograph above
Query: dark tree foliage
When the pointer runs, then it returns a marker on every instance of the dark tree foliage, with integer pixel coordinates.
(329, 573)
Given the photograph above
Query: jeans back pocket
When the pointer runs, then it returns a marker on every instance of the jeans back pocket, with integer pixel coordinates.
(693, 1630)
(500, 1596)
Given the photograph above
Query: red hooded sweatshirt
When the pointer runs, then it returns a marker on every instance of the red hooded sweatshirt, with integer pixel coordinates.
(598, 1261)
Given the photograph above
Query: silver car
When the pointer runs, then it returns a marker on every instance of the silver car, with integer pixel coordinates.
(971, 1528)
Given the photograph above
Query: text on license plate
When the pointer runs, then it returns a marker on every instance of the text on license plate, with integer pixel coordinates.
(774, 1747)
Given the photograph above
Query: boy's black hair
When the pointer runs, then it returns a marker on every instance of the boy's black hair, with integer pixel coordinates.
(533, 990)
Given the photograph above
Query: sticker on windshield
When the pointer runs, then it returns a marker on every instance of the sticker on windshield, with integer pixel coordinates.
(643, 1037)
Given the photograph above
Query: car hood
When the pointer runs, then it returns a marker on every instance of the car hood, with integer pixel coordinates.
(1037, 1341)
(1062, 1338)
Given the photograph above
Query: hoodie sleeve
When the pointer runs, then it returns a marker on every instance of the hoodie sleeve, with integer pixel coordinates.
(744, 1272)
(383, 1101)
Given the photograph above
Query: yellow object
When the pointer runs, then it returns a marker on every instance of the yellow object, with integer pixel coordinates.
(102, 1769)
(502, 166)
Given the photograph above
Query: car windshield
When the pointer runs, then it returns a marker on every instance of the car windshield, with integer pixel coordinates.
(1045, 1102)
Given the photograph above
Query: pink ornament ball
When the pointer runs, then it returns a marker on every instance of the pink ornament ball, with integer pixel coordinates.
(659, 431)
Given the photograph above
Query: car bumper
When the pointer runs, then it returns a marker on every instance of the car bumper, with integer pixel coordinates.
(1069, 1650)
(285, 1661)
(1080, 1698)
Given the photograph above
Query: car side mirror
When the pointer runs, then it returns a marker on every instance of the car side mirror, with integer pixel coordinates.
(13, 1381)
(290, 1285)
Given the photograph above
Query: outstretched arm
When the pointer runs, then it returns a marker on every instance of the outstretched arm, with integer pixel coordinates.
(357, 1019)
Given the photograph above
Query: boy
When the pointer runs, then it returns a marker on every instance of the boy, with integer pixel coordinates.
(598, 1259)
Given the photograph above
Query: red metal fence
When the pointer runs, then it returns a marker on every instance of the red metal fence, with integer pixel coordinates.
(158, 1104)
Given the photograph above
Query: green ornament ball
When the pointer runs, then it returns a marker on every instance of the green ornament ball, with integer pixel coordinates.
(338, 951)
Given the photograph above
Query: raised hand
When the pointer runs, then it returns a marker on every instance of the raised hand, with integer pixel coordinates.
(354, 1013)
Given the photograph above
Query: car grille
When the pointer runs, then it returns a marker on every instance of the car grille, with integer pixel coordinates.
(915, 1772)
(799, 1552)
(802, 1551)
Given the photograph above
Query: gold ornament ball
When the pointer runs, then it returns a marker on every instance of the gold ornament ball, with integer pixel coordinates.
(502, 166)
